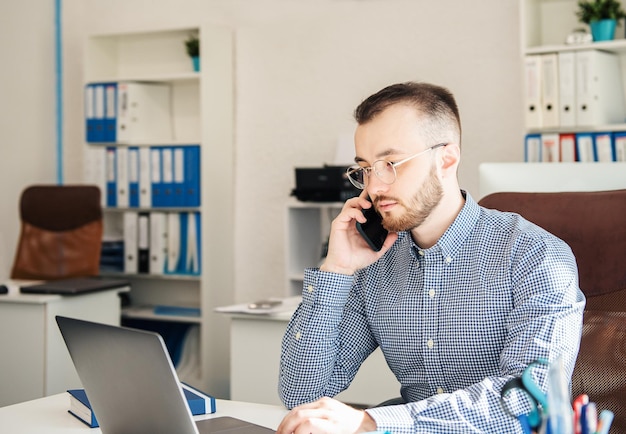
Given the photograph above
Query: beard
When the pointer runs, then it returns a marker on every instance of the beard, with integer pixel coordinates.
(418, 208)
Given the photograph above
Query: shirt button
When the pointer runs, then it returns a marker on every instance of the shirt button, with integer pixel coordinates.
(298, 336)
(430, 343)
(431, 293)
(309, 288)
(421, 252)
(439, 390)
(448, 260)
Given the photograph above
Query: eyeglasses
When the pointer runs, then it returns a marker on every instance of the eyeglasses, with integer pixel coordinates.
(383, 169)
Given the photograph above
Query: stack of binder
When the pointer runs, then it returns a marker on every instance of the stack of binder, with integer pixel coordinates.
(146, 176)
(586, 147)
(162, 243)
(573, 89)
(128, 112)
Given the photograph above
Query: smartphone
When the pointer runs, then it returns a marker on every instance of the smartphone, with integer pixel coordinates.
(372, 230)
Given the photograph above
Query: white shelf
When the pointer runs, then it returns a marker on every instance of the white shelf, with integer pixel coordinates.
(308, 226)
(616, 46)
(147, 313)
(202, 114)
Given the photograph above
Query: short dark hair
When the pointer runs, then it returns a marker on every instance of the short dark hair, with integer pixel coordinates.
(442, 122)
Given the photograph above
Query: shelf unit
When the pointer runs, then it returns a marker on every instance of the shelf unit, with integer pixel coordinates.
(201, 104)
(544, 27)
(308, 227)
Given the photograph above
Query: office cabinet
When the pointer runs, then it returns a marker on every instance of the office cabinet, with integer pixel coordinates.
(35, 361)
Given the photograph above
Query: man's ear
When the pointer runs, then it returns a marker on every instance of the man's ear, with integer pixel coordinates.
(450, 158)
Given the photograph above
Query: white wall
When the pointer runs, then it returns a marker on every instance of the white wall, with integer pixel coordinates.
(27, 111)
(302, 67)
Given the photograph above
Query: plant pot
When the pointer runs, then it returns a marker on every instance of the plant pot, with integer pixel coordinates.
(196, 63)
(603, 30)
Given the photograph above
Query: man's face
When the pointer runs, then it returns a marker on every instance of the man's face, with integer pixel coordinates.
(392, 136)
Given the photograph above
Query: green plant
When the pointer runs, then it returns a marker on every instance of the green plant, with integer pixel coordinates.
(192, 44)
(595, 10)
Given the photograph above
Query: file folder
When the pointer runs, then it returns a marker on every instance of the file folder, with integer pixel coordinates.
(584, 147)
(130, 242)
(173, 243)
(98, 112)
(110, 113)
(532, 86)
(143, 243)
(90, 113)
(158, 242)
(167, 180)
(95, 170)
(550, 147)
(599, 91)
(550, 90)
(144, 113)
(192, 175)
(111, 177)
(133, 177)
(179, 175)
(567, 89)
(620, 146)
(192, 260)
(156, 177)
(567, 148)
(532, 148)
(122, 177)
(145, 181)
(604, 149)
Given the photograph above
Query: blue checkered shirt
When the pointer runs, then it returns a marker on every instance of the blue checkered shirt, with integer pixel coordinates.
(454, 322)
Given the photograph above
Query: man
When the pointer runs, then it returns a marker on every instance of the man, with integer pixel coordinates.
(460, 298)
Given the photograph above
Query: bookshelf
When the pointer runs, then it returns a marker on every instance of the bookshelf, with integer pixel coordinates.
(201, 107)
(308, 227)
(545, 25)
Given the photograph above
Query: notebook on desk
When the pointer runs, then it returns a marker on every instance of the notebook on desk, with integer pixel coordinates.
(132, 384)
(74, 286)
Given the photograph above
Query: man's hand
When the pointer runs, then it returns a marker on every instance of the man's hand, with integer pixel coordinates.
(347, 250)
(326, 415)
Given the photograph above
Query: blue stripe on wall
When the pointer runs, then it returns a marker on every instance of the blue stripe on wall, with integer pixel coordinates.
(59, 90)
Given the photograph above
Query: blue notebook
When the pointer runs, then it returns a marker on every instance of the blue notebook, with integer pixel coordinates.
(199, 403)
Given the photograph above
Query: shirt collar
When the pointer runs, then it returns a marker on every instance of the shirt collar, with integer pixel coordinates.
(453, 238)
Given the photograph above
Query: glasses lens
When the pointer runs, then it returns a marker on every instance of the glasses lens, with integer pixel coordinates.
(385, 171)
(356, 176)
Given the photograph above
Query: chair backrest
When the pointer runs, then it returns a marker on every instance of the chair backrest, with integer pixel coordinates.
(61, 232)
(594, 226)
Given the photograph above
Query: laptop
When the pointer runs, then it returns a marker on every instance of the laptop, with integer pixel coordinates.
(132, 384)
(74, 286)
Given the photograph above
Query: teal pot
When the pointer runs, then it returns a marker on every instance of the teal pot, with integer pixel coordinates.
(603, 30)
(196, 63)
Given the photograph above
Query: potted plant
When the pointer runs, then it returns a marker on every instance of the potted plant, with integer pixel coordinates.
(602, 17)
(192, 45)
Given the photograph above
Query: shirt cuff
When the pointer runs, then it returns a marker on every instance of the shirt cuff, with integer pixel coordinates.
(326, 289)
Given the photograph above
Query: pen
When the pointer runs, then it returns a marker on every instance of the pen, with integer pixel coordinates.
(578, 404)
(591, 418)
(605, 420)
(523, 420)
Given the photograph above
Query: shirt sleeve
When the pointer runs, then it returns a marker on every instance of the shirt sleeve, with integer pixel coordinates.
(325, 342)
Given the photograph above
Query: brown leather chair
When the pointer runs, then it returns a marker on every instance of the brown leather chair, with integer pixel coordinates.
(594, 226)
(61, 232)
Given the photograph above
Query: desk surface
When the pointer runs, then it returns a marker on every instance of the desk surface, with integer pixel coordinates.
(49, 415)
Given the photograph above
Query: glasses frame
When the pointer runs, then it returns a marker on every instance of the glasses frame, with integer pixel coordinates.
(367, 170)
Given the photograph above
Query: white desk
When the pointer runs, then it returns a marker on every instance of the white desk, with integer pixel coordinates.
(255, 358)
(34, 361)
(49, 415)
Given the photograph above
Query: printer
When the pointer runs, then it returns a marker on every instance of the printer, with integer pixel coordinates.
(323, 184)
